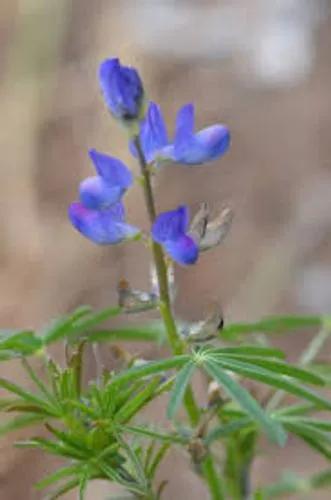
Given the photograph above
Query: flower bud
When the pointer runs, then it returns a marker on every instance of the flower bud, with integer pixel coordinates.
(122, 90)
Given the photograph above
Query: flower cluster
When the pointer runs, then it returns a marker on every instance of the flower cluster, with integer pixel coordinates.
(99, 214)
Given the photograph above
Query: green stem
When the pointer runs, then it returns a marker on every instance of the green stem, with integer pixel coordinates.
(213, 479)
(309, 354)
(176, 343)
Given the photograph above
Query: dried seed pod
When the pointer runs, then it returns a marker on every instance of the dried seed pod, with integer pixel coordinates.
(200, 221)
(134, 300)
(204, 330)
(216, 230)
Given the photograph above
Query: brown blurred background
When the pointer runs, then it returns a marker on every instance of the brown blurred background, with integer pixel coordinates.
(263, 67)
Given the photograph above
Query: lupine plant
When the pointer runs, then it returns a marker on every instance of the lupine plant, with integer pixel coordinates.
(101, 429)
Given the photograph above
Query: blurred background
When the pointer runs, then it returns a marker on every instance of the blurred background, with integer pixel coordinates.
(263, 68)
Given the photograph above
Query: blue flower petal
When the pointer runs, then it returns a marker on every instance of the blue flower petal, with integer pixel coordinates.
(104, 227)
(122, 89)
(196, 148)
(184, 250)
(214, 140)
(153, 133)
(184, 126)
(111, 169)
(170, 225)
(95, 193)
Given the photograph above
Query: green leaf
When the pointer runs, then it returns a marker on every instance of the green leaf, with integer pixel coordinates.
(321, 479)
(135, 403)
(269, 378)
(155, 434)
(29, 397)
(7, 355)
(21, 343)
(70, 485)
(272, 324)
(83, 482)
(322, 425)
(150, 368)
(19, 423)
(58, 475)
(294, 409)
(86, 323)
(225, 430)
(291, 483)
(249, 350)
(41, 386)
(153, 332)
(54, 448)
(315, 438)
(277, 366)
(247, 402)
(178, 390)
(64, 327)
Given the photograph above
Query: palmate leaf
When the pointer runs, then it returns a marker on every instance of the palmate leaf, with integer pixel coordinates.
(272, 324)
(181, 382)
(275, 366)
(276, 380)
(272, 428)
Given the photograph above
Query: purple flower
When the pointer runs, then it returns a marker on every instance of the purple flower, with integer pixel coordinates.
(188, 147)
(104, 227)
(170, 230)
(108, 187)
(122, 89)
(100, 214)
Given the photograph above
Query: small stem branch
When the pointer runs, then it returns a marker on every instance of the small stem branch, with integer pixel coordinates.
(315, 346)
(309, 354)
